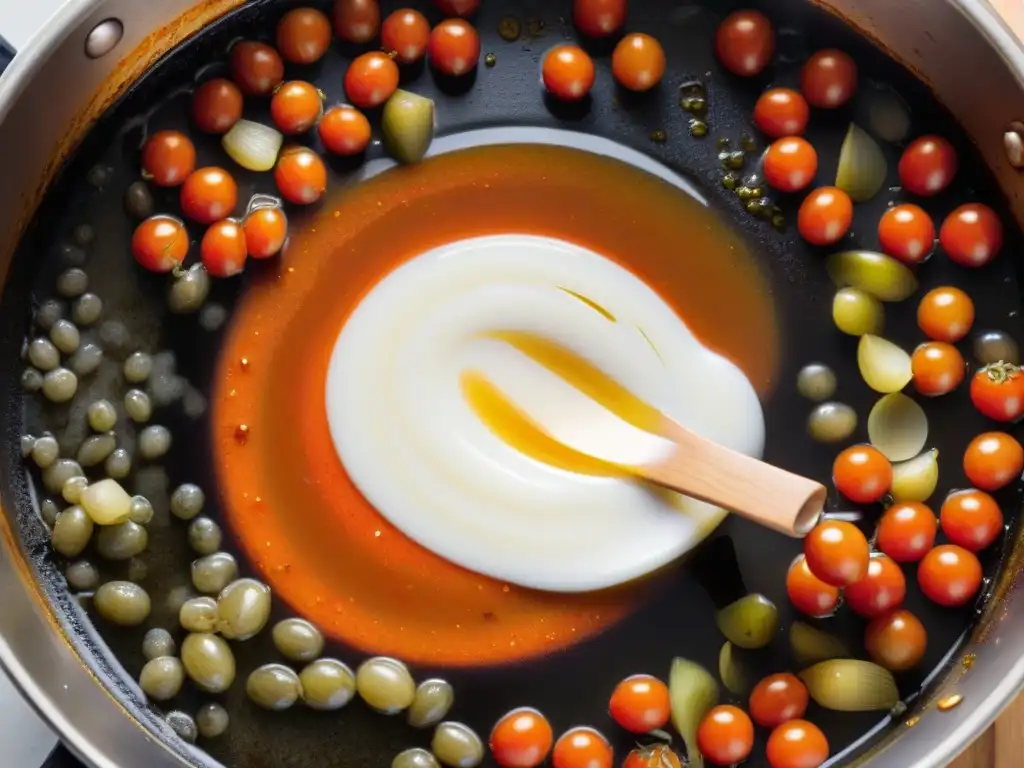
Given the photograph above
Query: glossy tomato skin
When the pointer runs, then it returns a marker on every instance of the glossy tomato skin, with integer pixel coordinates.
(881, 590)
(938, 368)
(160, 243)
(582, 748)
(217, 105)
(972, 235)
(655, 756)
(906, 531)
(896, 640)
(295, 107)
(745, 42)
(809, 594)
(971, 519)
(568, 72)
(927, 166)
(266, 230)
(301, 175)
(828, 79)
(209, 195)
(168, 157)
(993, 460)
(777, 699)
(638, 62)
(997, 391)
(797, 744)
(945, 314)
(255, 67)
(825, 216)
(781, 112)
(906, 232)
(371, 79)
(303, 35)
(837, 553)
(344, 130)
(640, 704)
(790, 164)
(463, 8)
(454, 47)
(599, 18)
(949, 575)
(862, 474)
(725, 735)
(521, 739)
(356, 21)
(223, 249)
(406, 33)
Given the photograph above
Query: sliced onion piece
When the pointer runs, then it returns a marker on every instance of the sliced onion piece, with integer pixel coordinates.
(408, 126)
(732, 670)
(882, 276)
(888, 116)
(884, 366)
(692, 693)
(750, 622)
(898, 427)
(851, 685)
(862, 167)
(916, 480)
(811, 645)
(253, 146)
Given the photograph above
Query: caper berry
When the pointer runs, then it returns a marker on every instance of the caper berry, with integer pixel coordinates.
(208, 662)
(327, 684)
(161, 679)
(273, 686)
(122, 603)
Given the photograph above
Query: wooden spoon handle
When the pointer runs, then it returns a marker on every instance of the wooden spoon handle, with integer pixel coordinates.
(718, 475)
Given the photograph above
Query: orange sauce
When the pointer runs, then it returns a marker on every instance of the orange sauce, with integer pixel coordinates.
(308, 531)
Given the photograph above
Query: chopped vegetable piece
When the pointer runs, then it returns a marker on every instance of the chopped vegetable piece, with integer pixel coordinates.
(568, 72)
(750, 622)
(356, 21)
(880, 275)
(857, 312)
(896, 640)
(809, 594)
(993, 460)
(789, 164)
(693, 692)
(745, 42)
(725, 735)
(938, 368)
(168, 157)
(160, 243)
(223, 249)
(915, 480)
(781, 112)
(828, 79)
(778, 699)
(825, 216)
(880, 591)
(907, 232)
(408, 125)
(851, 685)
(371, 79)
(252, 145)
(296, 106)
(906, 531)
(599, 18)
(638, 62)
(208, 195)
(946, 314)
(521, 739)
(972, 235)
(797, 744)
(885, 367)
(837, 552)
(971, 519)
(949, 575)
(405, 33)
(256, 68)
(216, 106)
(640, 704)
(454, 47)
(811, 645)
(303, 35)
(300, 175)
(997, 391)
(862, 167)
(927, 165)
(898, 427)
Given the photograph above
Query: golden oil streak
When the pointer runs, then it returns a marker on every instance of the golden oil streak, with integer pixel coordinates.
(590, 303)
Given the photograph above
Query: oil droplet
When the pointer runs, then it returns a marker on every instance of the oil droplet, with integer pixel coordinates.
(950, 702)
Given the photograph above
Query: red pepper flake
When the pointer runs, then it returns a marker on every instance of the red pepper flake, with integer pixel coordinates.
(244, 363)
(242, 433)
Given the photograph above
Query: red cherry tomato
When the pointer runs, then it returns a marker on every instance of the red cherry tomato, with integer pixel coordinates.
(405, 33)
(906, 232)
(300, 175)
(371, 79)
(208, 195)
(837, 553)
(971, 519)
(521, 739)
(907, 531)
(168, 157)
(582, 748)
(945, 314)
(356, 21)
(640, 704)
(972, 235)
(295, 107)
(344, 130)
(223, 249)
(745, 42)
(862, 474)
(654, 756)
(790, 164)
(217, 105)
(725, 735)
(303, 35)
(781, 112)
(993, 460)
(927, 165)
(949, 575)
(880, 591)
(463, 8)
(797, 744)
(997, 391)
(599, 18)
(160, 243)
(638, 62)
(896, 640)
(828, 79)
(454, 47)
(809, 594)
(825, 216)
(256, 68)
(266, 230)
(778, 698)
(938, 368)
(568, 72)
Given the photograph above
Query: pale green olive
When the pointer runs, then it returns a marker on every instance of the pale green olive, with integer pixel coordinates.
(161, 679)
(415, 758)
(327, 684)
(198, 614)
(457, 746)
(208, 661)
(297, 640)
(385, 685)
(244, 608)
(274, 687)
(433, 699)
(122, 603)
(212, 720)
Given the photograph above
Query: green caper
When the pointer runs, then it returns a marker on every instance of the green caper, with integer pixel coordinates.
(87, 309)
(385, 685)
(118, 464)
(208, 662)
(183, 725)
(154, 442)
(45, 451)
(212, 573)
(204, 536)
(273, 686)
(95, 449)
(750, 622)
(141, 510)
(415, 758)
(43, 354)
(137, 405)
(122, 541)
(297, 640)
(72, 282)
(832, 422)
(433, 699)
(137, 367)
(72, 531)
(457, 746)
(58, 473)
(327, 684)
(158, 642)
(86, 360)
(161, 679)
(187, 501)
(243, 608)
(49, 510)
(212, 720)
(198, 614)
(82, 575)
(698, 128)
(72, 490)
(816, 381)
(122, 603)
(65, 336)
